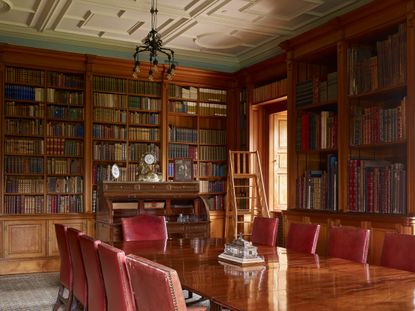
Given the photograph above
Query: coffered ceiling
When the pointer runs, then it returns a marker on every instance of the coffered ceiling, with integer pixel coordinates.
(224, 35)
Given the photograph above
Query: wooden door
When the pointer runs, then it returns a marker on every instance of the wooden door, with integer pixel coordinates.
(278, 160)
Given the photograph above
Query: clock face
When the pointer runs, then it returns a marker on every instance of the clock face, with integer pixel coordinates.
(115, 171)
(149, 159)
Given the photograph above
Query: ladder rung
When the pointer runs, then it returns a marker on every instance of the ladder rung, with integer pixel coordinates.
(243, 186)
(243, 175)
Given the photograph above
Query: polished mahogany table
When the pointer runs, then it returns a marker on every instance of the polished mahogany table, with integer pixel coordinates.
(287, 281)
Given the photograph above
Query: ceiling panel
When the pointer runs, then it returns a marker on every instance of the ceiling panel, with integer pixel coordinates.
(215, 31)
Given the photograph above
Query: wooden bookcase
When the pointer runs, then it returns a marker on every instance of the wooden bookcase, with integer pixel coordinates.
(197, 129)
(361, 174)
(126, 124)
(65, 119)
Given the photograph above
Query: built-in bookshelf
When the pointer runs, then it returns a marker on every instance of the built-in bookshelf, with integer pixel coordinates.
(126, 124)
(269, 91)
(377, 71)
(197, 130)
(43, 142)
(316, 132)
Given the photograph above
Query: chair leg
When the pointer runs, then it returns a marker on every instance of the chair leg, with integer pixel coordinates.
(59, 299)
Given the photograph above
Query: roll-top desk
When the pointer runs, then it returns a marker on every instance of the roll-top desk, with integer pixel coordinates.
(186, 214)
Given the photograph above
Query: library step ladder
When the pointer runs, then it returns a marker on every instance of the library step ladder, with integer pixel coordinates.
(246, 193)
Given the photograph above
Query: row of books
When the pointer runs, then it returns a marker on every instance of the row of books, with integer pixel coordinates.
(23, 204)
(316, 130)
(212, 169)
(21, 165)
(136, 150)
(24, 127)
(110, 152)
(380, 65)
(304, 93)
(183, 107)
(185, 135)
(214, 137)
(110, 100)
(143, 118)
(144, 103)
(60, 166)
(65, 97)
(212, 95)
(22, 92)
(212, 186)
(65, 129)
(211, 153)
(65, 113)
(144, 87)
(376, 124)
(317, 189)
(24, 185)
(183, 92)
(212, 109)
(182, 151)
(24, 146)
(25, 76)
(68, 184)
(62, 146)
(106, 131)
(103, 173)
(376, 186)
(58, 79)
(270, 91)
(138, 133)
(109, 84)
(326, 90)
(13, 109)
(64, 204)
(110, 115)
(215, 203)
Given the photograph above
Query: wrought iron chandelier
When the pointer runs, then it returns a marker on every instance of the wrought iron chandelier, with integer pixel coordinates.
(153, 45)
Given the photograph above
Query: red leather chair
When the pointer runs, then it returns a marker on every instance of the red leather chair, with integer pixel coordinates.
(80, 294)
(117, 284)
(303, 237)
(155, 287)
(144, 227)
(65, 276)
(264, 231)
(349, 243)
(95, 281)
(398, 251)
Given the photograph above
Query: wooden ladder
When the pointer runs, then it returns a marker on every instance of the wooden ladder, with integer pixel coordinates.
(246, 193)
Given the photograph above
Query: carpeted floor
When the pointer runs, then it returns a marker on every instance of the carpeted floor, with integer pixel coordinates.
(35, 292)
(24, 292)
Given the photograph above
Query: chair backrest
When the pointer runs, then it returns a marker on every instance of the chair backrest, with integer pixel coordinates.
(95, 281)
(155, 287)
(78, 270)
(264, 231)
(398, 251)
(144, 227)
(117, 284)
(349, 243)
(303, 237)
(65, 257)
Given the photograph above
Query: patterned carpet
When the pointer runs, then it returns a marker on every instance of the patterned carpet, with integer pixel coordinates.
(24, 292)
(35, 292)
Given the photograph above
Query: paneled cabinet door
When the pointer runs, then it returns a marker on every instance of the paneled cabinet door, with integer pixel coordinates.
(217, 224)
(79, 224)
(24, 239)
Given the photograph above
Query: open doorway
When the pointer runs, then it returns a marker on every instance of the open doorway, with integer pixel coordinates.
(277, 151)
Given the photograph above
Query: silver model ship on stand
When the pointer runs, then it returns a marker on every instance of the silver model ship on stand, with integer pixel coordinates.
(241, 252)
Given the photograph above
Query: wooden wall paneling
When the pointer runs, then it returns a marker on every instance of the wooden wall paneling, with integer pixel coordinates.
(24, 238)
(217, 224)
(1, 240)
(80, 224)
